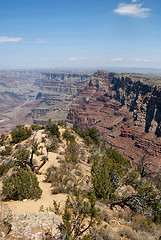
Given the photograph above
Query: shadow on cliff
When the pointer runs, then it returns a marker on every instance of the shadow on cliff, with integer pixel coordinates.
(150, 111)
(153, 112)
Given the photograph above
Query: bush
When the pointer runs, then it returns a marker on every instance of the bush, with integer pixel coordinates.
(61, 182)
(71, 154)
(7, 151)
(104, 234)
(53, 146)
(21, 155)
(79, 216)
(104, 216)
(93, 134)
(90, 135)
(118, 158)
(132, 178)
(68, 136)
(52, 128)
(22, 185)
(36, 127)
(62, 123)
(107, 176)
(141, 223)
(20, 133)
(2, 139)
(88, 140)
(4, 169)
(129, 233)
(108, 172)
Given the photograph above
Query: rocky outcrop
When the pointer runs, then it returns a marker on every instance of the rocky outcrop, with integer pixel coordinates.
(5, 220)
(38, 226)
(127, 111)
(35, 226)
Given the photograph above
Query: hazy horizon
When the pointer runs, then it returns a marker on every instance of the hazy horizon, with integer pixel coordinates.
(150, 71)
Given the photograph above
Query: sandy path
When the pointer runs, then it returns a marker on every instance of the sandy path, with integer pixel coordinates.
(46, 200)
(47, 197)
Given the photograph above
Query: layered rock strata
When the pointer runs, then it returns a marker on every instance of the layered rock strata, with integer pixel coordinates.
(127, 111)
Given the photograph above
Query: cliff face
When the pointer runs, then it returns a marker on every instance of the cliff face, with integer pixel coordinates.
(127, 112)
(68, 83)
(57, 91)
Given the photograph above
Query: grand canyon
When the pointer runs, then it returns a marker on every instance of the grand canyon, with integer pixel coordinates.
(125, 108)
(76, 143)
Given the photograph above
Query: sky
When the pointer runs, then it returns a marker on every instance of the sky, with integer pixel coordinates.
(85, 34)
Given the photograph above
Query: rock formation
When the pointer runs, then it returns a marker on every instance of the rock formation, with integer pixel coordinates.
(28, 97)
(38, 225)
(127, 111)
(69, 83)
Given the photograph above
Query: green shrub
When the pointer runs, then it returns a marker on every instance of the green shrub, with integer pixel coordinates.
(36, 127)
(22, 154)
(71, 156)
(62, 123)
(118, 158)
(22, 185)
(88, 140)
(7, 151)
(68, 136)
(20, 133)
(93, 134)
(52, 128)
(79, 216)
(2, 139)
(132, 178)
(107, 175)
(90, 135)
(4, 169)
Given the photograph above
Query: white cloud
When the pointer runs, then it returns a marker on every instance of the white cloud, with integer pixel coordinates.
(132, 10)
(142, 60)
(116, 59)
(40, 41)
(146, 60)
(73, 59)
(133, 1)
(8, 39)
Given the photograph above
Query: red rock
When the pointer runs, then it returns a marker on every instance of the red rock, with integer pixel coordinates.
(127, 113)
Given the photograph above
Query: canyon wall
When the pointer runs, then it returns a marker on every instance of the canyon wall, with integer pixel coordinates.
(56, 93)
(33, 97)
(127, 111)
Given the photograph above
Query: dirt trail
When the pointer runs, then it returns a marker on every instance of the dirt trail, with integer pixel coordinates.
(46, 200)
(47, 197)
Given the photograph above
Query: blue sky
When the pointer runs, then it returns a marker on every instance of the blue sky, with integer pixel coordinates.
(86, 33)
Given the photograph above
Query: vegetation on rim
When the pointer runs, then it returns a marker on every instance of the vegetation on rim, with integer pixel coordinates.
(112, 182)
(22, 185)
